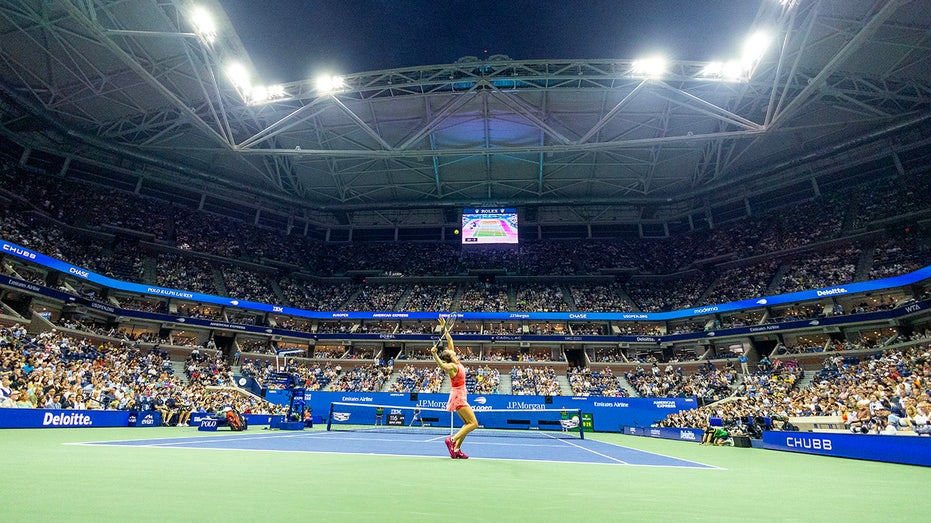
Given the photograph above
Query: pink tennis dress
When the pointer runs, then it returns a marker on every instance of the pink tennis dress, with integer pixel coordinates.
(457, 396)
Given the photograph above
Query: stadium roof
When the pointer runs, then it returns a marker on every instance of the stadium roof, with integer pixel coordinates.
(842, 93)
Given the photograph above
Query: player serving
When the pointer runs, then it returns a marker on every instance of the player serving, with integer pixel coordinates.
(450, 364)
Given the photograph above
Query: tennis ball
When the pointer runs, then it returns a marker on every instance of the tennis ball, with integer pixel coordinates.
(456, 231)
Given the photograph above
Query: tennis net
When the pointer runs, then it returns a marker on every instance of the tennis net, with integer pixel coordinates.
(368, 417)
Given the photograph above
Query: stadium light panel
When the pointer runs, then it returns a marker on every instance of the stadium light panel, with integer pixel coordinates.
(239, 76)
(650, 67)
(754, 49)
(713, 69)
(733, 70)
(203, 25)
(259, 93)
(327, 84)
(263, 93)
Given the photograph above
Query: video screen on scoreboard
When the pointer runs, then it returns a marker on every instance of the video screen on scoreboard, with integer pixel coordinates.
(486, 226)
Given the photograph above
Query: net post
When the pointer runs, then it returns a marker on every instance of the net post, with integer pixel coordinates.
(581, 425)
(329, 419)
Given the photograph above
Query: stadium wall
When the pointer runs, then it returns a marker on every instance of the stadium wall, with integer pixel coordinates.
(608, 414)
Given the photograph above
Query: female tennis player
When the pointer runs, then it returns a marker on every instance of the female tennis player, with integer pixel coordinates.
(450, 364)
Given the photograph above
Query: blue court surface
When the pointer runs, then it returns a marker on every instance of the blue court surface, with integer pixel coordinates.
(421, 445)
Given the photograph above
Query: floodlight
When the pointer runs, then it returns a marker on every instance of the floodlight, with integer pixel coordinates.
(712, 69)
(239, 76)
(651, 67)
(754, 48)
(327, 84)
(259, 93)
(732, 70)
(203, 25)
(263, 93)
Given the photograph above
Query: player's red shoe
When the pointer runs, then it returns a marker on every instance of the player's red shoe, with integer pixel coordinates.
(451, 447)
(461, 455)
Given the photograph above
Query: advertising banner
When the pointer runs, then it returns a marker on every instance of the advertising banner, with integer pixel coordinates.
(604, 414)
(837, 290)
(911, 450)
(46, 418)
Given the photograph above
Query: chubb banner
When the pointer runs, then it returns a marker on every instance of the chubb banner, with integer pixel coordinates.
(912, 450)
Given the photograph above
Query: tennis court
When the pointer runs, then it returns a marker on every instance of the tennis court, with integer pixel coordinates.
(526, 446)
(180, 474)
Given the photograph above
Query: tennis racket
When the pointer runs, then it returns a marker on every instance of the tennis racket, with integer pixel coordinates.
(450, 322)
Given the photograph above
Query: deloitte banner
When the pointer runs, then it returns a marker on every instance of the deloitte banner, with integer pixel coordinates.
(43, 418)
(911, 450)
(608, 414)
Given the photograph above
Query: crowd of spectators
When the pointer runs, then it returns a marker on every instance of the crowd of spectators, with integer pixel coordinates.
(820, 270)
(540, 297)
(484, 297)
(897, 255)
(790, 227)
(248, 285)
(55, 371)
(668, 294)
(312, 296)
(195, 232)
(417, 379)
(425, 298)
(180, 272)
(587, 382)
(740, 283)
(483, 380)
(882, 392)
(542, 381)
(364, 378)
(376, 298)
(707, 382)
(600, 297)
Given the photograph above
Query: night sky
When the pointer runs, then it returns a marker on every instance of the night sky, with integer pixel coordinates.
(290, 40)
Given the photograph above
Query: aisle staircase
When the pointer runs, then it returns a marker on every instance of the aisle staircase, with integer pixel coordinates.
(504, 383)
(565, 387)
(178, 368)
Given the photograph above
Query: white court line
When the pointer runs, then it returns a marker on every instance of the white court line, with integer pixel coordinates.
(595, 453)
(659, 454)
